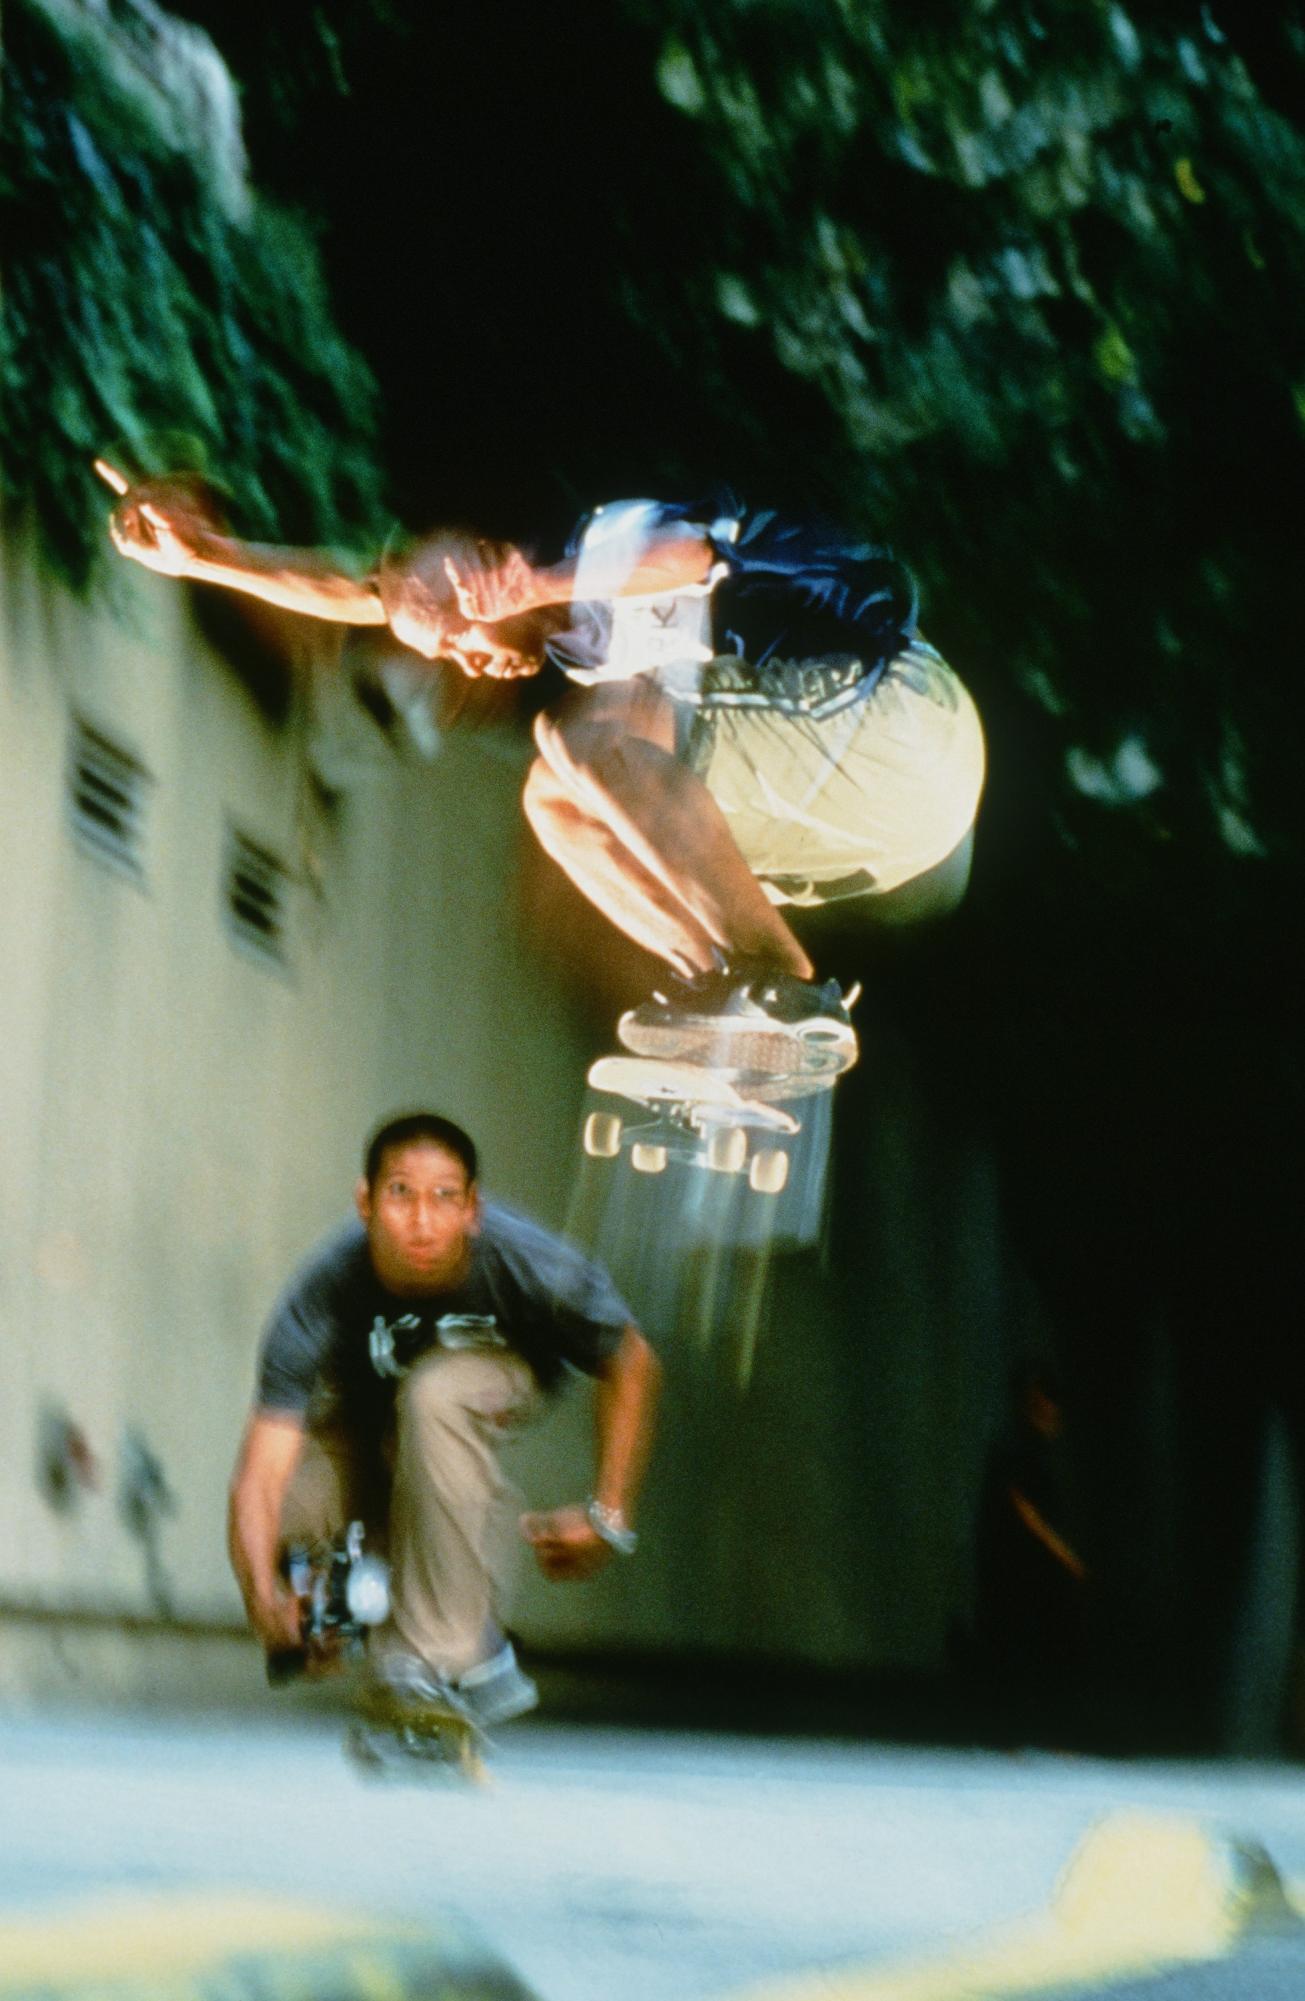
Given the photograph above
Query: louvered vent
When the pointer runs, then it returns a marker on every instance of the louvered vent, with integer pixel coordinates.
(107, 790)
(255, 897)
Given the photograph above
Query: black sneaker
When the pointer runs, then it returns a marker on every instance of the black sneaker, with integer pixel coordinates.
(751, 1017)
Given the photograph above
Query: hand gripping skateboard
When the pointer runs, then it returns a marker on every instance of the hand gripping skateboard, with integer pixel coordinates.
(699, 1115)
(342, 1591)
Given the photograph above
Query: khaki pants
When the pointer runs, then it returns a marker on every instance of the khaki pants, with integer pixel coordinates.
(877, 797)
(437, 1496)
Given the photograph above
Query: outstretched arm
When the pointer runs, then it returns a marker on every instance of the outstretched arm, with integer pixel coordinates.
(168, 526)
(565, 1542)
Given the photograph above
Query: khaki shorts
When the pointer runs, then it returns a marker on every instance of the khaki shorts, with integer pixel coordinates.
(858, 803)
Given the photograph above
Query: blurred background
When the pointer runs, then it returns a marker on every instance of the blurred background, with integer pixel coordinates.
(999, 1435)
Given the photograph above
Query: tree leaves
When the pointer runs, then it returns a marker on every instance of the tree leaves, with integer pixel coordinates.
(147, 291)
(1044, 262)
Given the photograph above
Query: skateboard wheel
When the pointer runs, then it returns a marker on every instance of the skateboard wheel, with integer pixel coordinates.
(647, 1159)
(768, 1171)
(470, 1763)
(367, 1592)
(727, 1149)
(602, 1135)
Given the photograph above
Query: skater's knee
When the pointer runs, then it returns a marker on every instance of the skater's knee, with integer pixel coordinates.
(555, 744)
(540, 796)
(542, 730)
(458, 1387)
(583, 756)
(430, 1395)
(449, 1401)
(553, 781)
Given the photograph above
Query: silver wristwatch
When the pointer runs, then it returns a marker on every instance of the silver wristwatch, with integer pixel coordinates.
(610, 1524)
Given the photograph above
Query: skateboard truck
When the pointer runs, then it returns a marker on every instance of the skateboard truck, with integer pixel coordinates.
(342, 1591)
(392, 1738)
(700, 1117)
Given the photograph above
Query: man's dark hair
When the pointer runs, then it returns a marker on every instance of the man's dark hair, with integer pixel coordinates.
(410, 1129)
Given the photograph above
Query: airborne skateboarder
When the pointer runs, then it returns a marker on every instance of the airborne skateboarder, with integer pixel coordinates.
(753, 723)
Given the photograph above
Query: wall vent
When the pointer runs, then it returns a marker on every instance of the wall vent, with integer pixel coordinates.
(255, 897)
(107, 790)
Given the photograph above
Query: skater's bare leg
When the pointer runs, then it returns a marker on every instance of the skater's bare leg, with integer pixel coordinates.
(640, 816)
(607, 874)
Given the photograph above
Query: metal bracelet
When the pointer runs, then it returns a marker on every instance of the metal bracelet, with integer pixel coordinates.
(610, 1524)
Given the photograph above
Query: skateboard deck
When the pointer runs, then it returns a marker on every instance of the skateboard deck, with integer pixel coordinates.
(393, 1737)
(700, 1115)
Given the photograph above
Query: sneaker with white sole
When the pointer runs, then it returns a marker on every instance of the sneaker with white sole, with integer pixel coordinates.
(494, 1691)
(497, 1689)
(406, 1680)
(750, 1017)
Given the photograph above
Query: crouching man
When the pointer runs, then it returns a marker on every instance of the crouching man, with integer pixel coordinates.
(412, 1343)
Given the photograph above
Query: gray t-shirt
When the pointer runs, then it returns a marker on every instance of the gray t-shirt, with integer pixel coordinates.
(551, 1304)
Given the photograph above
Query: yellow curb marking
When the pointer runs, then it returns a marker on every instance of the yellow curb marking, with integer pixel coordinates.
(1141, 1892)
(158, 1940)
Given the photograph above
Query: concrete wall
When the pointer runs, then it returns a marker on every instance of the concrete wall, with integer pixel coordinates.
(181, 1117)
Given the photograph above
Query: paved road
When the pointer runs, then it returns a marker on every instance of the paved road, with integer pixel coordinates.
(605, 1865)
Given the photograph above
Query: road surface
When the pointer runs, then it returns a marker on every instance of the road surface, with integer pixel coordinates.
(603, 1864)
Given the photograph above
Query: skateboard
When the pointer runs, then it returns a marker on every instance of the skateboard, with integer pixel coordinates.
(699, 1116)
(341, 1592)
(394, 1737)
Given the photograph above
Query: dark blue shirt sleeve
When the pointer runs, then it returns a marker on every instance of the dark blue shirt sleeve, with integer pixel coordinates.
(561, 1304)
(803, 590)
(306, 1321)
(793, 590)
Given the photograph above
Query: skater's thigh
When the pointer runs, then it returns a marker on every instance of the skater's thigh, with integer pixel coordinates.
(863, 801)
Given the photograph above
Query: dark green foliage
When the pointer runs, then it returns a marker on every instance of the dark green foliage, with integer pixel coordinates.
(146, 292)
(1045, 262)
(294, 61)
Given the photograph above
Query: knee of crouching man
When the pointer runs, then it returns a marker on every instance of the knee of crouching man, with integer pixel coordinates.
(428, 1392)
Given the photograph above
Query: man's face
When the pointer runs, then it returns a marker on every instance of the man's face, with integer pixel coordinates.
(504, 651)
(420, 1215)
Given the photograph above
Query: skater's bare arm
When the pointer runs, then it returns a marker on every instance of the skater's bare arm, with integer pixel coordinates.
(625, 1410)
(162, 525)
(302, 580)
(565, 1542)
(670, 559)
(269, 1454)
